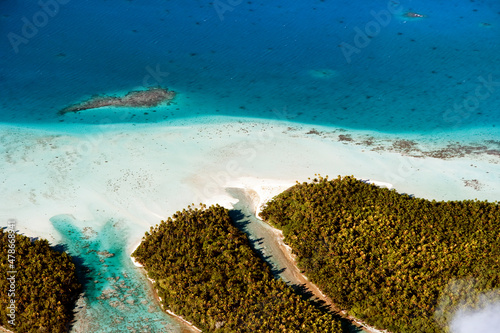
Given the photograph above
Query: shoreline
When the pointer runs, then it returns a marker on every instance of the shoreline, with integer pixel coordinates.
(479, 131)
(37, 191)
(258, 195)
(188, 325)
(476, 143)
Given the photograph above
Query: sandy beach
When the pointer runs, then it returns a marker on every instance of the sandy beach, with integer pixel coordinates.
(142, 174)
(185, 325)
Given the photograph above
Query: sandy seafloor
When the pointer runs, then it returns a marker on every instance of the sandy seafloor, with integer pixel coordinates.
(143, 173)
(266, 97)
(101, 190)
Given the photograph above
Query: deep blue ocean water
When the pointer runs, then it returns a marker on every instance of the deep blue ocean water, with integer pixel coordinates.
(252, 58)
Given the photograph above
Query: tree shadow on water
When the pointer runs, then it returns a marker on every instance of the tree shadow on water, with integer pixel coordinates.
(308, 295)
(240, 221)
(82, 274)
(81, 269)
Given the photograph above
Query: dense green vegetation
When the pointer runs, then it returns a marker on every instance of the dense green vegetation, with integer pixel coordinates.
(390, 259)
(206, 271)
(45, 287)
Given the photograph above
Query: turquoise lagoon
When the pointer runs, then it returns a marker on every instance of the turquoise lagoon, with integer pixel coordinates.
(116, 295)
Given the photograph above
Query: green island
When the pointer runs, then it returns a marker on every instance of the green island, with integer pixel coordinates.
(205, 271)
(399, 263)
(45, 287)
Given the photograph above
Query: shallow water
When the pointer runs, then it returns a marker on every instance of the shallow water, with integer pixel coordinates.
(117, 297)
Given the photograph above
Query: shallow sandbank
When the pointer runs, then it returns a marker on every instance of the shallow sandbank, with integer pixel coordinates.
(143, 173)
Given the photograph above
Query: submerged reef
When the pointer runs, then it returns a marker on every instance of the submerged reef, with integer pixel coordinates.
(143, 98)
(489, 149)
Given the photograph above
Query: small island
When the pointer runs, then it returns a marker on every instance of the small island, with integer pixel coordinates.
(151, 97)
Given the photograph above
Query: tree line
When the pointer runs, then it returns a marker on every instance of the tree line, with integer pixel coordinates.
(205, 270)
(390, 258)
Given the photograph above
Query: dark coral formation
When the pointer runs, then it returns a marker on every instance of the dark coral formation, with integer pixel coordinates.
(345, 137)
(143, 98)
(474, 183)
(487, 148)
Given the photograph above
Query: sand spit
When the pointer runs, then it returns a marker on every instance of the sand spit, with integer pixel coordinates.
(143, 98)
(257, 192)
(144, 173)
(186, 325)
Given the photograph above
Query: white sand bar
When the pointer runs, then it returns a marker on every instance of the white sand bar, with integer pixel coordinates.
(144, 173)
